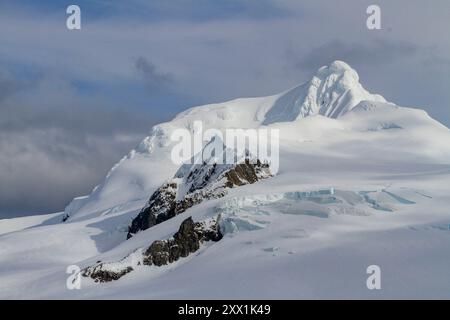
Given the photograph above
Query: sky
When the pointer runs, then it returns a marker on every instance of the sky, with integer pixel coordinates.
(74, 102)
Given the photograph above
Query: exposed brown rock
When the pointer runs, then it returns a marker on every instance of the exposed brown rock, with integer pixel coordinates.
(163, 204)
(185, 241)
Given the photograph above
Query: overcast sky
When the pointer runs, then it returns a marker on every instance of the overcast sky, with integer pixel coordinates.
(72, 103)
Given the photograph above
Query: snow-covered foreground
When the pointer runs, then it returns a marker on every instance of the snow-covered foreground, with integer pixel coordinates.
(360, 183)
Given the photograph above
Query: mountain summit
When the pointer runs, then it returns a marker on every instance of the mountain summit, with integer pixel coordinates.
(333, 91)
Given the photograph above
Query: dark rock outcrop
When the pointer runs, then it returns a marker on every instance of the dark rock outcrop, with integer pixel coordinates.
(203, 182)
(185, 241)
(161, 207)
(100, 275)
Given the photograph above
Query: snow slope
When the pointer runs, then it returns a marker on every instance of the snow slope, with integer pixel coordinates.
(361, 182)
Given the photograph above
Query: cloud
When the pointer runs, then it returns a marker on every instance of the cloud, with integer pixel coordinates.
(8, 85)
(375, 52)
(152, 77)
(41, 170)
(57, 144)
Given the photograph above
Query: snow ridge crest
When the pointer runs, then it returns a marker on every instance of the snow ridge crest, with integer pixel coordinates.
(333, 91)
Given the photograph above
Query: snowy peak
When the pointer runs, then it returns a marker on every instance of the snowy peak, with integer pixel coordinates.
(333, 91)
(331, 94)
(338, 68)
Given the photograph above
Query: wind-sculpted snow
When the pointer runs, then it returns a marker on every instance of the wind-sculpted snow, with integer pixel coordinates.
(332, 92)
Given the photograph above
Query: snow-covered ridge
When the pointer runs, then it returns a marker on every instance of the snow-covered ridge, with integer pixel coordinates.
(332, 92)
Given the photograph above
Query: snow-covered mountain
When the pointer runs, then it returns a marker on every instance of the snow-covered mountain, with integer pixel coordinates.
(333, 91)
(361, 182)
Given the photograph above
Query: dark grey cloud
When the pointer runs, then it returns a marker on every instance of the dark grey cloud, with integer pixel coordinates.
(153, 78)
(57, 144)
(8, 85)
(41, 170)
(375, 52)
